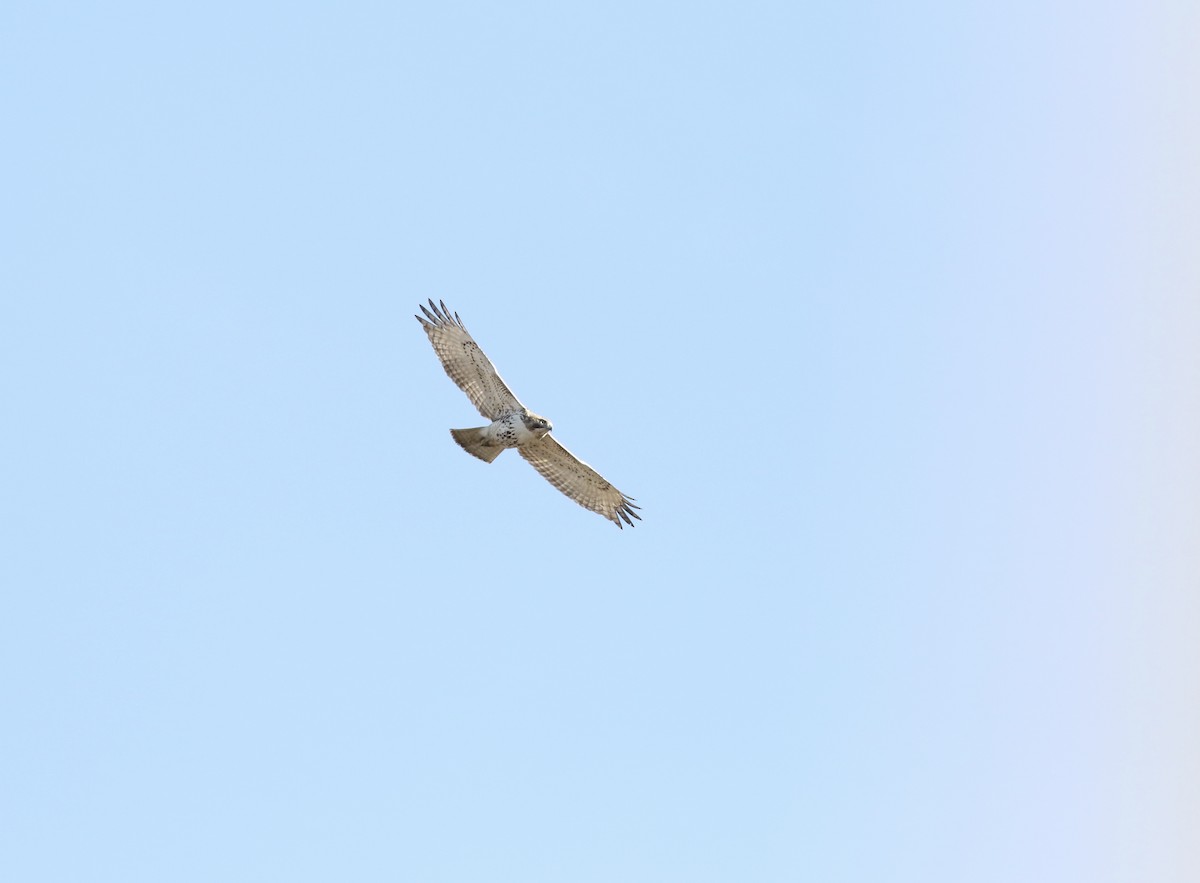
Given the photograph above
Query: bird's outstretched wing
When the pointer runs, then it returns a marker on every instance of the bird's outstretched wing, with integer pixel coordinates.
(466, 364)
(578, 480)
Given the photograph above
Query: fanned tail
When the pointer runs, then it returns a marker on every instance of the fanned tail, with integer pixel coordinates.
(473, 442)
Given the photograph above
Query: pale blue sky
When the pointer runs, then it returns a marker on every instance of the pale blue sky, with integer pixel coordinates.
(889, 317)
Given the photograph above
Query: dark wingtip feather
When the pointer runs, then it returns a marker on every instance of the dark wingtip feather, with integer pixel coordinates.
(440, 315)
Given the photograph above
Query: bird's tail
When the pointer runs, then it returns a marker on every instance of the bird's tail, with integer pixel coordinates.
(474, 442)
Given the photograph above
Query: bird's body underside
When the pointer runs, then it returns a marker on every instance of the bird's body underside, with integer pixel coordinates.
(510, 431)
(513, 425)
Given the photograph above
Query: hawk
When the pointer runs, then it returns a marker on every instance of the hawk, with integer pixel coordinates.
(513, 425)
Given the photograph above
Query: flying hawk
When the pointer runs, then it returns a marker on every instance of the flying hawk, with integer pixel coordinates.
(513, 425)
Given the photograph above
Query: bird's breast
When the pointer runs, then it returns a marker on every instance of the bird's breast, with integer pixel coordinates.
(509, 431)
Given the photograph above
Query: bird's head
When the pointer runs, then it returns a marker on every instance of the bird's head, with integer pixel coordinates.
(539, 426)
